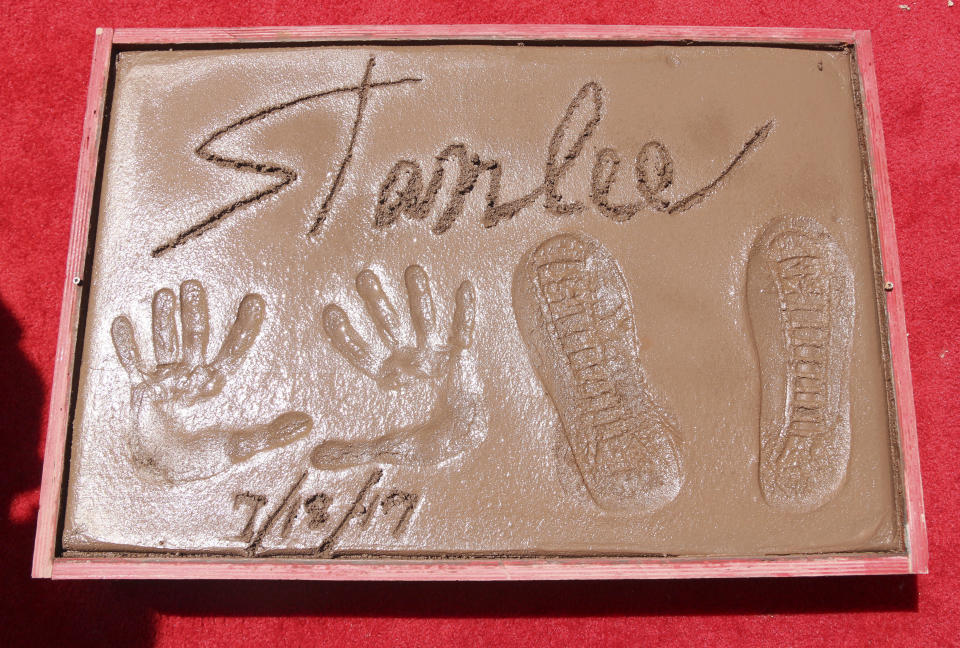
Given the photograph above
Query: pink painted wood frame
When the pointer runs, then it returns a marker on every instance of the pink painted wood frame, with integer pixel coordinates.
(46, 562)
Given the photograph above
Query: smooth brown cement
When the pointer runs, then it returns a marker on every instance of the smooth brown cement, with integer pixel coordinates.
(483, 300)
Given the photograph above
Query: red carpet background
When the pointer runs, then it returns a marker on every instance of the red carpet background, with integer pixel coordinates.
(47, 45)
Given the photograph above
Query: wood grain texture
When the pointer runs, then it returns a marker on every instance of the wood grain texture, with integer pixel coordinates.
(480, 570)
(45, 564)
(483, 32)
(57, 422)
(916, 527)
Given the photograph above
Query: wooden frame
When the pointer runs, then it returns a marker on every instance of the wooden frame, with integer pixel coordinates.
(46, 562)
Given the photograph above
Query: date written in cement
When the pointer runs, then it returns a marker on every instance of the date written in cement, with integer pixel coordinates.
(312, 513)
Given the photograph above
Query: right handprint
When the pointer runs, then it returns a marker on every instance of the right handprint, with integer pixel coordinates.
(576, 318)
(801, 307)
(457, 421)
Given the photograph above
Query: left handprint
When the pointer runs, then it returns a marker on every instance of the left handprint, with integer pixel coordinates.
(161, 447)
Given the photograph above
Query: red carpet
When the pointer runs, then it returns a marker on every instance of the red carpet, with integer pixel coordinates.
(47, 47)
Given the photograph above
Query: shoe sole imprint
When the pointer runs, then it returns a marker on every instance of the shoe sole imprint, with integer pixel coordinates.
(575, 316)
(801, 307)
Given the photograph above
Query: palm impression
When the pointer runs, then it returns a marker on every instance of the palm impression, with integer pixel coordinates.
(457, 420)
(161, 447)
